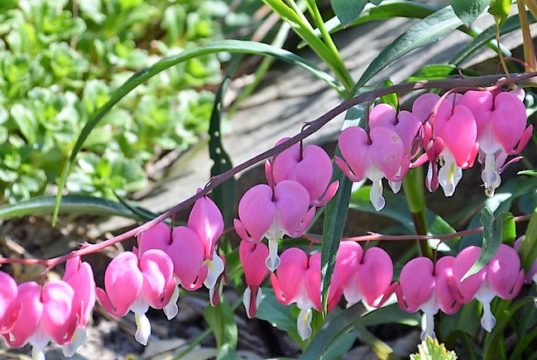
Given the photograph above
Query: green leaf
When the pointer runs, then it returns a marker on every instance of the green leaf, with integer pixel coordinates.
(487, 35)
(528, 248)
(390, 99)
(427, 31)
(348, 10)
(72, 204)
(231, 46)
(223, 195)
(433, 72)
(431, 349)
(221, 320)
(336, 215)
(396, 208)
(492, 239)
(277, 314)
(469, 10)
(500, 9)
(354, 318)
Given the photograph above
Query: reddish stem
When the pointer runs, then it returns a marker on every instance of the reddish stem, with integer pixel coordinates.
(314, 126)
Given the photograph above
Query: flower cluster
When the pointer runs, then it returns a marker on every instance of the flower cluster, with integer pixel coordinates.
(448, 132)
(57, 311)
(367, 275)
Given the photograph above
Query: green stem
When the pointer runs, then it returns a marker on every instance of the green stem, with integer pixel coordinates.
(319, 22)
(500, 54)
(529, 50)
(307, 33)
(415, 197)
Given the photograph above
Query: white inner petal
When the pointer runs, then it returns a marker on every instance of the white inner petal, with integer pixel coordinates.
(273, 260)
(304, 323)
(171, 310)
(78, 339)
(143, 329)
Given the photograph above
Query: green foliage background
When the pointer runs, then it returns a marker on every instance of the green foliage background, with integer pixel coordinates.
(60, 60)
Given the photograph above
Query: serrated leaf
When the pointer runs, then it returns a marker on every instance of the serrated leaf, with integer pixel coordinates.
(469, 10)
(431, 349)
(348, 10)
(230, 46)
(492, 239)
(427, 31)
(221, 320)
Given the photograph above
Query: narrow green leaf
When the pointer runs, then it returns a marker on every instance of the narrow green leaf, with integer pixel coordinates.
(348, 10)
(492, 239)
(221, 320)
(335, 216)
(433, 72)
(73, 204)
(500, 9)
(528, 249)
(223, 195)
(352, 318)
(469, 10)
(427, 31)
(487, 35)
(231, 46)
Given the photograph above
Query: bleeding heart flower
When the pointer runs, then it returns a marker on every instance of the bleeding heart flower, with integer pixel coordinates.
(501, 277)
(295, 281)
(190, 271)
(309, 166)
(252, 256)
(501, 131)
(450, 134)
(425, 286)
(376, 155)
(207, 221)
(79, 276)
(8, 303)
(134, 284)
(45, 315)
(405, 124)
(271, 213)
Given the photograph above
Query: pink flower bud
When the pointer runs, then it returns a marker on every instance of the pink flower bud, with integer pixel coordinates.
(252, 257)
(79, 276)
(134, 284)
(310, 166)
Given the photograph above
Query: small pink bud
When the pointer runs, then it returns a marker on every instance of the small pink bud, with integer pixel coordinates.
(252, 257)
